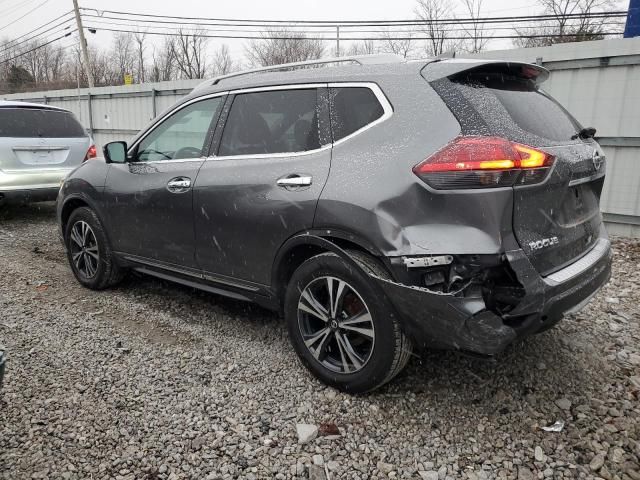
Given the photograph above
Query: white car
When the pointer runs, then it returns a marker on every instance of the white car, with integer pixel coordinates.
(39, 146)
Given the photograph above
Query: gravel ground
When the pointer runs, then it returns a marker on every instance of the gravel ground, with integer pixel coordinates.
(155, 381)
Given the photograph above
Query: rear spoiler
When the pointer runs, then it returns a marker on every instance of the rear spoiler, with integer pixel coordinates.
(441, 68)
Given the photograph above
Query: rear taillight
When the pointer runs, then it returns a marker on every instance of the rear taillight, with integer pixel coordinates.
(484, 162)
(91, 153)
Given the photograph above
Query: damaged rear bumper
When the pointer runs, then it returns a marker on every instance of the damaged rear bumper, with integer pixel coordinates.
(464, 323)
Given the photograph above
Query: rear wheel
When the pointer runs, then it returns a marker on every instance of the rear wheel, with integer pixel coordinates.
(89, 252)
(342, 328)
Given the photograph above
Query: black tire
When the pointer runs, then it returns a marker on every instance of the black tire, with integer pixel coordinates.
(389, 350)
(107, 272)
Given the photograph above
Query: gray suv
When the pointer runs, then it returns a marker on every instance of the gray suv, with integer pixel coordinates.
(39, 146)
(381, 206)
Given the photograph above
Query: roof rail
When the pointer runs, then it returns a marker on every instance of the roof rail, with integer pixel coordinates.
(359, 59)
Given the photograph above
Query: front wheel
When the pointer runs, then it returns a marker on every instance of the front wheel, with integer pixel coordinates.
(89, 252)
(342, 328)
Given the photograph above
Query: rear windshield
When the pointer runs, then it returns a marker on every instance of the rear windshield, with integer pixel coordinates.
(515, 108)
(36, 122)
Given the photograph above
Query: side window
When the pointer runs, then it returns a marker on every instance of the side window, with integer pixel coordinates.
(182, 135)
(351, 109)
(275, 121)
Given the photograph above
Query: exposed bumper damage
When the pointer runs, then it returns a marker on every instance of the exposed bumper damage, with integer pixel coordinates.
(473, 323)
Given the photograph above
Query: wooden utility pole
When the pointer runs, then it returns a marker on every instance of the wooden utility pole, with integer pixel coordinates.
(83, 44)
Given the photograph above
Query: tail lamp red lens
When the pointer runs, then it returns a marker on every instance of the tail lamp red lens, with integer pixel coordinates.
(483, 162)
(91, 153)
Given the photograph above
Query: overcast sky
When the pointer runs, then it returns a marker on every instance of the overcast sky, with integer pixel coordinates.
(12, 10)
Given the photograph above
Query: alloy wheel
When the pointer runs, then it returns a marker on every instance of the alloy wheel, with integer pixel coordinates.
(336, 325)
(84, 249)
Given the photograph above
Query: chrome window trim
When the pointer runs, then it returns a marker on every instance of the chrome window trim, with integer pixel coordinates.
(293, 86)
(377, 91)
(382, 98)
(164, 119)
(296, 86)
(177, 160)
(271, 155)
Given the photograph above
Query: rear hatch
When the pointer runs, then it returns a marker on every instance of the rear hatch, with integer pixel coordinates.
(33, 139)
(555, 221)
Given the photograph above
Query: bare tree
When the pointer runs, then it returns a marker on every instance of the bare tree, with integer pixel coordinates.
(475, 31)
(162, 64)
(364, 47)
(432, 13)
(189, 53)
(562, 27)
(33, 59)
(222, 63)
(56, 60)
(283, 46)
(140, 48)
(123, 56)
(397, 43)
(8, 50)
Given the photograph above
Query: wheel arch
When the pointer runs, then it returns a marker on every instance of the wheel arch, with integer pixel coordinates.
(305, 245)
(72, 203)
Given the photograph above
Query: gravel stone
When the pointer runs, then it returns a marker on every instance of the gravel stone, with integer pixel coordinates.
(306, 433)
(597, 462)
(564, 403)
(539, 455)
(150, 380)
(525, 474)
(430, 475)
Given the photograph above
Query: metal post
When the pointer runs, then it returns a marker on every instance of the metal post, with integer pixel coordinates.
(153, 101)
(90, 108)
(337, 40)
(83, 44)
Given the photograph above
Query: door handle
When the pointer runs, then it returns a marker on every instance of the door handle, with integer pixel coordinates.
(179, 184)
(294, 181)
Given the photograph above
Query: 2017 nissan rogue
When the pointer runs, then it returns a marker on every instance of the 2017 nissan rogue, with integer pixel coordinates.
(381, 206)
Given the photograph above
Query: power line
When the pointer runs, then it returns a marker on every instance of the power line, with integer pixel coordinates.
(13, 44)
(28, 13)
(34, 49)
(150, 18)
(43, 25)
(329, 39)
(11, 10)
(307, 31)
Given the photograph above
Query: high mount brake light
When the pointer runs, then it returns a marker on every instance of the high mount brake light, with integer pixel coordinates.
(91, 153)
(484, 162)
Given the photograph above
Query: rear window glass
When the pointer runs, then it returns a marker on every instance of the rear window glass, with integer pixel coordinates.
(35, 122)
(499, 97)
(277, 121)
(353, 108)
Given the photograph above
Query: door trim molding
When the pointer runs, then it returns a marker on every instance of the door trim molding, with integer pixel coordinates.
(199, 274)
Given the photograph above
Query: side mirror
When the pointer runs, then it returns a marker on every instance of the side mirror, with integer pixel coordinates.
(115, 152)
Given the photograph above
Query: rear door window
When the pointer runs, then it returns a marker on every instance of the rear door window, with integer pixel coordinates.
(39, 122)
(352, 108)
(271, 122)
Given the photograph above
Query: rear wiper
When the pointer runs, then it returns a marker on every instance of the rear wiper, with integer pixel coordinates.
(587, 132)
